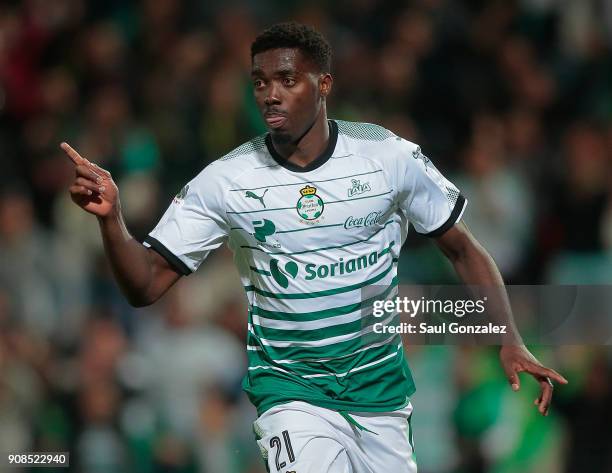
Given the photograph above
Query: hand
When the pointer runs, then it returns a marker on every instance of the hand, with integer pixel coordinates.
(93, 189)
(516, 359)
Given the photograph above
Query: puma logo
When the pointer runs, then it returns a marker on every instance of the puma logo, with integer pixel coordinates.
(252, 195)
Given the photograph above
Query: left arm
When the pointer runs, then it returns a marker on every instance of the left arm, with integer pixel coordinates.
(476, 267)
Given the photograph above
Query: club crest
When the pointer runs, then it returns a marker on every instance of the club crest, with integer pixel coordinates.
(309, 206)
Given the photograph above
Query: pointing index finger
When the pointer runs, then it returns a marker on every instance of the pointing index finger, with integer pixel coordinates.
(75, 157)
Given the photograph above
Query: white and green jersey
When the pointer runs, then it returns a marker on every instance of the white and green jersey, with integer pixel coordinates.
(313, 247)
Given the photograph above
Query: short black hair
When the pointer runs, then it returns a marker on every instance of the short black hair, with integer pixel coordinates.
(295, 35)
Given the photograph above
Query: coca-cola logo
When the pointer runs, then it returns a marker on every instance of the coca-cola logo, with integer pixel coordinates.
(365, 221)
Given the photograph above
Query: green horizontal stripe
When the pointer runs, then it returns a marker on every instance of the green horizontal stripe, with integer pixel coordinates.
(260, 271)
(323, 333)
(313, 227)
(323, 248)
(326, 203)
(268, 166)
(304, 183)
(327, 351)
(386, 250)
(262, 210)
(322, 314)
(327, 292)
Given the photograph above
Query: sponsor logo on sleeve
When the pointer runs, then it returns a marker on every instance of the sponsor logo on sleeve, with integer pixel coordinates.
(180, 197)
(418, 154)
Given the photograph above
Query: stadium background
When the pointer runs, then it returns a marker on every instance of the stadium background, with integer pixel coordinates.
(511, 99)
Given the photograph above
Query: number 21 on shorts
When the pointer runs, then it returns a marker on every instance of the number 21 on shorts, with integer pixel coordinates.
(276, 447)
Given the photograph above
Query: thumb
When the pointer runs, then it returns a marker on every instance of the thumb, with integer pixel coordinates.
(513, 379)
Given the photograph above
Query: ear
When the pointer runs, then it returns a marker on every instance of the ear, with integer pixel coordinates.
(325, 84)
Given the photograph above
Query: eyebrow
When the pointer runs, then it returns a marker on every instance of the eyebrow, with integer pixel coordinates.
(284, 71)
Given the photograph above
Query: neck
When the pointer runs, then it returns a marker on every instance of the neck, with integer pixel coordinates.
(309, 146)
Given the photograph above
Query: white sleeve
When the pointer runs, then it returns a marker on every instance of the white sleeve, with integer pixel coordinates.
(193, 225)
(430, 202)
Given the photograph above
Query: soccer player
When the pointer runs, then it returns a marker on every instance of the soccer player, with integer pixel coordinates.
(316, 212)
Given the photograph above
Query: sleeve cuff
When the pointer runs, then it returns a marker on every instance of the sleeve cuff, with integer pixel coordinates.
(170, 257)
(452, 219)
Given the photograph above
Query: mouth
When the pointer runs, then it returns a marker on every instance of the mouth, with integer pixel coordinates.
(275, 120)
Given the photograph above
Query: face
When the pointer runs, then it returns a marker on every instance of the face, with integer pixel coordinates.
(290, 92)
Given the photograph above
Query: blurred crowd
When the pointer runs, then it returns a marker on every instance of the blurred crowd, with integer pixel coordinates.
(511, 99)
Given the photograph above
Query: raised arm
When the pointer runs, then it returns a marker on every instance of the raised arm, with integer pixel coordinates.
(143, 275)
(476, 267)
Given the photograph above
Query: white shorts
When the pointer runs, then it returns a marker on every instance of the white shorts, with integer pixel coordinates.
(301, 438)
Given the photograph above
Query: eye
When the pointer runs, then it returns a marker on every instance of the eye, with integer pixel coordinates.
(288, 82)
(258, 83)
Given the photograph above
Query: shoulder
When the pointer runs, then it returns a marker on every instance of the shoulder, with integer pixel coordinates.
(361, 131)
(376, 142)
(209, 186)
(242, 159)
(250, 151)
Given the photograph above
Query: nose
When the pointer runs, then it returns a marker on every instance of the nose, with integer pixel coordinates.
(272, 95)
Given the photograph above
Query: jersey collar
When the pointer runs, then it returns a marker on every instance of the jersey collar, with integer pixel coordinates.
(318, 162)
